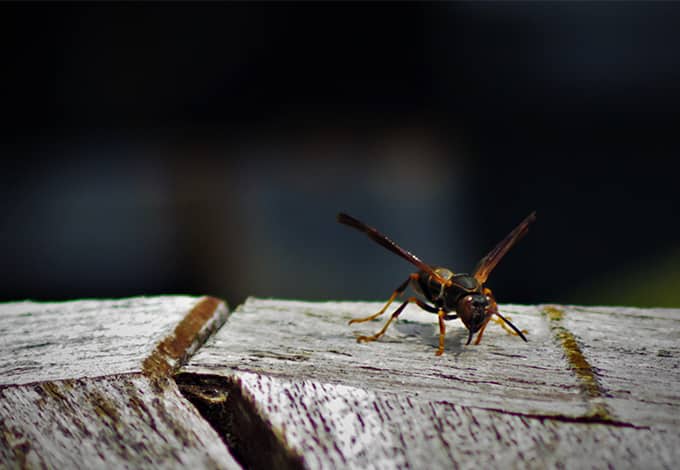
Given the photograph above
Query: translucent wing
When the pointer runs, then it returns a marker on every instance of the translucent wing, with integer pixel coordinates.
(378, 237)
(489, 262)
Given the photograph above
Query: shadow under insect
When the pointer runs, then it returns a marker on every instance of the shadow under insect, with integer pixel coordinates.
(426, 333)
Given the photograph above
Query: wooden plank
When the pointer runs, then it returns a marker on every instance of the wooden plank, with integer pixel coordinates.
(87, 384)
(123, 421)
(560, 399)
(636, 355)
(90, 338)
(326, 425)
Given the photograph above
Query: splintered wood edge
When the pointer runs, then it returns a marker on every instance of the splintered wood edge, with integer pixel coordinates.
(206, 317)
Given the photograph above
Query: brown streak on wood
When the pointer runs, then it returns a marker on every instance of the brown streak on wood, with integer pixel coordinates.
(50, 389)
(89, 386)
(585, 419)
(508, 404)
(105, 409)
(175, 346)
(579, 364)
(48, 341)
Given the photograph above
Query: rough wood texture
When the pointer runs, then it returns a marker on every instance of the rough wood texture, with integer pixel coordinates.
(86, 384)
(594, 386)
(90, 338)
(121, 421)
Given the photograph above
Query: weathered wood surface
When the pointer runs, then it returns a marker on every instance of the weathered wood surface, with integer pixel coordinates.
(121, 421)
(594, 387)
(90, 338)
(87, 384)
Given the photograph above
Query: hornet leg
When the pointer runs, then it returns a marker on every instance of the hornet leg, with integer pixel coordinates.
(400, 290)
(504, 322)
(394, 316)
(442, 332)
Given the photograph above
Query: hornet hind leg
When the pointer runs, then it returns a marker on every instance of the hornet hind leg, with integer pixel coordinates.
(399, 290)
(394, 316)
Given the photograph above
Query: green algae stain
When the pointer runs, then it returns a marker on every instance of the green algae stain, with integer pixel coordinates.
(578, 363)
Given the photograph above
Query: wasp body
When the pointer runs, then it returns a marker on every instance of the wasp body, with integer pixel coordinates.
(447, 294)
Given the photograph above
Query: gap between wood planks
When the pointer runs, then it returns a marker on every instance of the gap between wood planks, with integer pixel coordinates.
(253, 441)
(250, 438)
(256, 444)
(88, 384)
(280, 369)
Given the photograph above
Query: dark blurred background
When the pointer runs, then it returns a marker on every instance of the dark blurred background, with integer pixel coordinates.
(206, 148)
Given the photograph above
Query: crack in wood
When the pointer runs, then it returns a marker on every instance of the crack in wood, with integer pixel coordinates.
(578, 363)
(250, 437)
(336, 426)
(306, 402)
(585, 419)
(111, 421)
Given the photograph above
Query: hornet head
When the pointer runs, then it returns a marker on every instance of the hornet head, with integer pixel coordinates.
(475, 311)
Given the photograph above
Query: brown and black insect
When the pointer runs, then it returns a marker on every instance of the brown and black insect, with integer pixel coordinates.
(445, 290)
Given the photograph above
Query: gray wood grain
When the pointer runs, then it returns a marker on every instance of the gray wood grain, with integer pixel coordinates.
(587, 390)
(123, 421)
(337, 426)
(90, 338)
(86, 384)
(636, 353)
